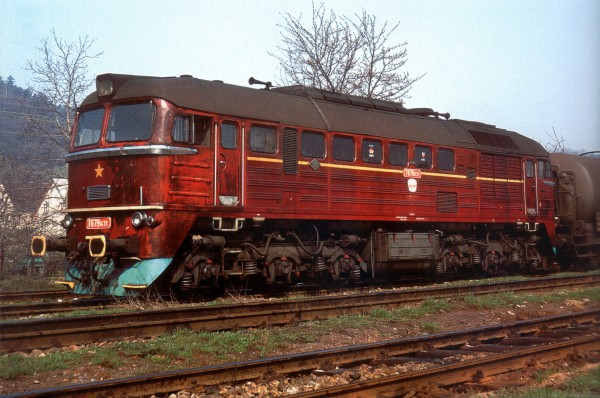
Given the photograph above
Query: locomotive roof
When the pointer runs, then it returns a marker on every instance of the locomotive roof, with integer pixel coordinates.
(318, 109)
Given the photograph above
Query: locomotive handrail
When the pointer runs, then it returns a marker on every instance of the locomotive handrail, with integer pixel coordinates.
(130, 150)
(113, 208)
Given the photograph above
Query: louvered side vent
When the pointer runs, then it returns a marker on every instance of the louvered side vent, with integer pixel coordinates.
(447, 202)
(290, 151)
(98, 192)
(133, 245)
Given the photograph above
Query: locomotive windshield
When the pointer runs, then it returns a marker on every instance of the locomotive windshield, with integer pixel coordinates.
(89, 127)
(132, 122)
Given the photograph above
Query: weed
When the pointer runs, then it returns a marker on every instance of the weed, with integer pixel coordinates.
(430, 327)
(582, 385)
(22, 283)
(13, 365)
(106, 358)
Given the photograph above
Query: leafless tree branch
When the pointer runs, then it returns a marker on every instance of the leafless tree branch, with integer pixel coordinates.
(60, 80)
(343, 55)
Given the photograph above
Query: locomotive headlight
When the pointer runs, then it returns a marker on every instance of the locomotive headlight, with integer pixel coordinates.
(104, 87)
(67, 221)
(138, 218)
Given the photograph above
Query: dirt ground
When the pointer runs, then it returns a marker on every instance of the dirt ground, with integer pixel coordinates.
(445, 321)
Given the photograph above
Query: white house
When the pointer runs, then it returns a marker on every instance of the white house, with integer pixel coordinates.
(6, 207)
(49, 213)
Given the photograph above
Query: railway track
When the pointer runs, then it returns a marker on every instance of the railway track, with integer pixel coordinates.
(449, 358)
(25, 335)
(35, 295)
(67, 304)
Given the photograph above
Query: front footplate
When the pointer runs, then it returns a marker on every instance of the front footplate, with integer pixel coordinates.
(110, 277)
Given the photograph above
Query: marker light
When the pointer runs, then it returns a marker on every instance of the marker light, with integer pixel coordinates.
(67, 221)
(153, 221)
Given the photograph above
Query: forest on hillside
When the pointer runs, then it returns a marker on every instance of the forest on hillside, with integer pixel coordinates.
(19, 109)
(30, 160)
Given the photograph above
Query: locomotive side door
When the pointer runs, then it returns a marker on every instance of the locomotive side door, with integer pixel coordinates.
(531, 188)
(229, 165)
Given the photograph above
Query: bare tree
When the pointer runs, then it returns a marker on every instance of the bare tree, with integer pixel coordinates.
(16, 226)
(61, 80)
(556, 143)
(343, 55)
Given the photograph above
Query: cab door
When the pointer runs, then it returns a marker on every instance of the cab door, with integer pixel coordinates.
(531, 187)
(229, 170)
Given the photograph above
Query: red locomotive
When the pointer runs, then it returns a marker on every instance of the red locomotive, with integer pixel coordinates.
(184, 184)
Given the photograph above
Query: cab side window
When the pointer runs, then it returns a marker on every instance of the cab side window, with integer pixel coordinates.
(544, 169)
(228, 136)
(181, 129)
(192, 129)
(529, 168)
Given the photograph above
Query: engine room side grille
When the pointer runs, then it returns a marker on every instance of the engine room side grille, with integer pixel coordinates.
(98, 192)
(447, 202)
(290, 151)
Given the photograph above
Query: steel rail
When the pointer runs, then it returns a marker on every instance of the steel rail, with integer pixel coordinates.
(11, 297)
(459, 372)
(25, 335)
(304, 362)
(72, 303)
(65, 302)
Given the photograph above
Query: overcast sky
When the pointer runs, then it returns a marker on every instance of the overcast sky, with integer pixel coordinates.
(532, 66)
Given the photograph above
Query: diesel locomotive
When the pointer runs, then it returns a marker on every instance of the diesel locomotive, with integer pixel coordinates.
(181, 184)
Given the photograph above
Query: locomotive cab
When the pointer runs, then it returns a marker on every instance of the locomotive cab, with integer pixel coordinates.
(132, 162)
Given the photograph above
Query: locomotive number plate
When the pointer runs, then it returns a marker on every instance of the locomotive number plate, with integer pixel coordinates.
(412, 173)
(98, 223)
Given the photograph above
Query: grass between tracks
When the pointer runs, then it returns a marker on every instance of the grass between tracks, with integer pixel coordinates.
(586, 384)
(22, 283)
(185, 349)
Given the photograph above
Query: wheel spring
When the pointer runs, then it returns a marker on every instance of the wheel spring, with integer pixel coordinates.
(320, 265)
(250, 268)
(439, 268)
(475, 259)
(185, 283)
(515, 258)
(356, 273)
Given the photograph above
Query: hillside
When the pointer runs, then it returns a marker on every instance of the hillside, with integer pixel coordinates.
(18, 107)
(28, 159)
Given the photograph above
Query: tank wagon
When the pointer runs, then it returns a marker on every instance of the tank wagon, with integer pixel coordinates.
(577, 209)
(184, 184)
